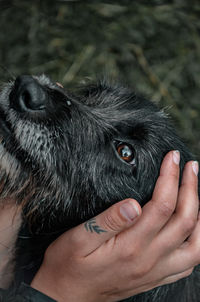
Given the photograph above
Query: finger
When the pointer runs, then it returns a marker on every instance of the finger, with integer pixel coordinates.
(184, 220)
(151, 285)
(87, 237)
(187, 256)
(189, 187)
(194, 238)
(164, 199)
(158, 211)
(176, 277)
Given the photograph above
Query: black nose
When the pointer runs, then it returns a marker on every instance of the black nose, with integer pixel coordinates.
(27, 95)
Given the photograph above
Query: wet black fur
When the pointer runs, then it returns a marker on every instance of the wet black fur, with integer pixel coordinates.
(62, 164)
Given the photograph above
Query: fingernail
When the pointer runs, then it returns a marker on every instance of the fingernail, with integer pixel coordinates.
(176, 157)
(195, 167)
(129, 211)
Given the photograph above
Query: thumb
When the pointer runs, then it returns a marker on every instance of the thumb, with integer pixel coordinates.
(88, 236)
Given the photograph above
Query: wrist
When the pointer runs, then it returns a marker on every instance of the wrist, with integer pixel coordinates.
(60, 289)
(28, 292)
(43, 283)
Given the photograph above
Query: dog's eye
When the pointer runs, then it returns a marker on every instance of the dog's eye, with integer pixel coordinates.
(126, 153)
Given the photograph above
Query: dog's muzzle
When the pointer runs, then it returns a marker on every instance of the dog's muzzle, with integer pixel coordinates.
(28, 95)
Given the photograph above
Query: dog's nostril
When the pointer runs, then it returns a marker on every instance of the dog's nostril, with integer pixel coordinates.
(31, 100)
(26, 99)
(28, 95)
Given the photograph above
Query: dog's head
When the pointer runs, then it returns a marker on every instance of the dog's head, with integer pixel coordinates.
(68, 157)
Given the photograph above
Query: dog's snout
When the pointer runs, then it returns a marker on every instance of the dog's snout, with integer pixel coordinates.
(28, 95)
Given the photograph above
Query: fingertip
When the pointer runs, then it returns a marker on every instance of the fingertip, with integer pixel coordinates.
(168, 180)
(130, 209)
(190, 172)
(195, 167)
(137, 206)
(171, 160)
(176, 157)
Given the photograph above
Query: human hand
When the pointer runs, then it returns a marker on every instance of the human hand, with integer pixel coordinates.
(128, 256)
(10, 221)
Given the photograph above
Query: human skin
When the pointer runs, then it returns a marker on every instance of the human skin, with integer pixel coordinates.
(10, 220)
(136, 249)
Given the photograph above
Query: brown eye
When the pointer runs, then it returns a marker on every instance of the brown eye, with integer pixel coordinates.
(126, 153)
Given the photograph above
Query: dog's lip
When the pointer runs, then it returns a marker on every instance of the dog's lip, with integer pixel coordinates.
(5, 127)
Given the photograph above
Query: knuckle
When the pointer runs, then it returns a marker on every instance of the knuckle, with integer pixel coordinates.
(165, 209)
(189, 186)
(131, 254)
(196, 254)
(193, 253)
(174, 175)
(141, 271)
(127, 255)
(112, 223)
(188, 225)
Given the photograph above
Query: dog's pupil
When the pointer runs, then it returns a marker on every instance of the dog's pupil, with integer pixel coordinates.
(125, 152)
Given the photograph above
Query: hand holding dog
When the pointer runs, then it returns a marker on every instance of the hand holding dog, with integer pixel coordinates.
(127, 250)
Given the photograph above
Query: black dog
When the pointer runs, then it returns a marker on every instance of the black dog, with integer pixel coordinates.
(66, 158)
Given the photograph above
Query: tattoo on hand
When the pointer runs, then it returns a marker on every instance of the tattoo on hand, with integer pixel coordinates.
(91, 226)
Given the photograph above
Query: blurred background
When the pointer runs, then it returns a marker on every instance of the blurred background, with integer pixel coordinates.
(150, 46)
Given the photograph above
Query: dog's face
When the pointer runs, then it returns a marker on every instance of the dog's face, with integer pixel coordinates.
(67, 157)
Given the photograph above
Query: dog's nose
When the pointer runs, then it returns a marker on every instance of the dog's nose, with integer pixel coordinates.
(27, 95)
